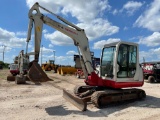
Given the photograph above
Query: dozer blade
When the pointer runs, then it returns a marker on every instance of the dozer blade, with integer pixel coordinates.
(75, 100)
(36, 74)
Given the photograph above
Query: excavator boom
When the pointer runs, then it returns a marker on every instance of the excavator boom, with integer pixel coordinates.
(77, 34)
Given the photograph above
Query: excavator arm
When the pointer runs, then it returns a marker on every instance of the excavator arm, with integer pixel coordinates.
(35, 73)
(77, 34)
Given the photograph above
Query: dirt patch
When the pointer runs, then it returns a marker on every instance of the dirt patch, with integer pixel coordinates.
(45, 102)
(3, 74)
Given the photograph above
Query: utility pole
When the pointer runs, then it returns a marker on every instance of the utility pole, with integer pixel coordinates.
(41, 55)
(3, 51)
(54, 55)
(143, 59)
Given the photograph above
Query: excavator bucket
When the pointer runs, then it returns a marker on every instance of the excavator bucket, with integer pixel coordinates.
(75, 100)
(36, 74)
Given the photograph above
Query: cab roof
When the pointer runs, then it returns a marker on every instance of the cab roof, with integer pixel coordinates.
(120, 42)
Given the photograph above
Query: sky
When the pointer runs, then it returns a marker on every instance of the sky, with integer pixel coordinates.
(104, 21)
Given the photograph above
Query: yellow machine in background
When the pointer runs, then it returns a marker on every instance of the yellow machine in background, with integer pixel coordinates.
(48, 66)
(60, 69)
(63, 70)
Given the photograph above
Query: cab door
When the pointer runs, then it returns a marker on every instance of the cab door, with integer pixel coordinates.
(127, 61)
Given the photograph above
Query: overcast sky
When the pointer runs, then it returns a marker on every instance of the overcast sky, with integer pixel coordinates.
(104, 21)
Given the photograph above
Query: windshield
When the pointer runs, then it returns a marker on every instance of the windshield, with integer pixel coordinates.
(13, 67)
(107, 61)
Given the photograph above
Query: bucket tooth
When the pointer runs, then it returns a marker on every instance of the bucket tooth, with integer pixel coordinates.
(36, 74)
(75, 100)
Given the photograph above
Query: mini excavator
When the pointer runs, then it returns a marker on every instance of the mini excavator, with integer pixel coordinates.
(119, 72)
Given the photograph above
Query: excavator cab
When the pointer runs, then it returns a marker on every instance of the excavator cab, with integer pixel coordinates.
(119, 61)
(119, 68)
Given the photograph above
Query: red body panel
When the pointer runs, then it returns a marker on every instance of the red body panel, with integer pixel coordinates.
(148, 69)
(95, 80)
(14, 71)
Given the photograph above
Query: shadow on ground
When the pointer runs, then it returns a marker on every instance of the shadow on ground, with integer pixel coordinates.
(63, 111)
(149, 102)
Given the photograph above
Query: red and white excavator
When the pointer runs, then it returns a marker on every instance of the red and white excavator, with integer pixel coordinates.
(119, 71)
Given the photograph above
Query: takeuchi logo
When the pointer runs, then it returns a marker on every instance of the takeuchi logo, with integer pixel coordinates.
(71, 31)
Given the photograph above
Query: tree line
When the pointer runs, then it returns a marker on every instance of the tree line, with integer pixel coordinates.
(4, 65)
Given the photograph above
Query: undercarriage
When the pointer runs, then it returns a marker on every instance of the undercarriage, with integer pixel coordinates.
(101, 96)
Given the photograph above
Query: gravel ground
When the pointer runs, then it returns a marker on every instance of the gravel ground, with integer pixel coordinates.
(45, 102)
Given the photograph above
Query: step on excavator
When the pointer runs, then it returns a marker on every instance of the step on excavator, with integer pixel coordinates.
(119, 73)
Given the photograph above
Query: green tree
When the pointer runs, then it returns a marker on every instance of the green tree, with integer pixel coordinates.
(4, 65)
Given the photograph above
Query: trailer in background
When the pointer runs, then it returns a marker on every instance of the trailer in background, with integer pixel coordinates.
(79, 73)
(151, 71)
